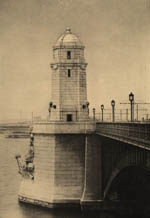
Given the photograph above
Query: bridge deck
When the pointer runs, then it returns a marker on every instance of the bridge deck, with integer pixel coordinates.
(137, 134)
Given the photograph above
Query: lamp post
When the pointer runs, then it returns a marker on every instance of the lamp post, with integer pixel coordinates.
(131, 99)
(94, 114)
(113, 110)
(87, 104)
(102, 109)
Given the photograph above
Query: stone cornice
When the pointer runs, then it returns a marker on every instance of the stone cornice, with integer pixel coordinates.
(57, 127)
(69, 46)
(56, 65)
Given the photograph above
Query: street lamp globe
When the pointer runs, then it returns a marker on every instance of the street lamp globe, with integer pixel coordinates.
(131, 97)
(102, 107)
(112, 103)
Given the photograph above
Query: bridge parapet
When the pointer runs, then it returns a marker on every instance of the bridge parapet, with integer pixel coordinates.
(63, 127)
(137, 134)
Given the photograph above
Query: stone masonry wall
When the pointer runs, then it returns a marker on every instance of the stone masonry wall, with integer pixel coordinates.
(76, 54)
(69, 93)
(55, 94)
(69, 88)
(93, 169)
(59, 169)
(69, 166)
(42, 187)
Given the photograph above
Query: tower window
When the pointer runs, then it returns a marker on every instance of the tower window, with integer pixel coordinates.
(69, 117)
(68, 54)
(69, 73)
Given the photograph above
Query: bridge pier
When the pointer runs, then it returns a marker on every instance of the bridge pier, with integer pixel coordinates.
(93, 191)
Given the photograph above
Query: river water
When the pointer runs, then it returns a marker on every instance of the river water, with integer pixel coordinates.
(10, 181)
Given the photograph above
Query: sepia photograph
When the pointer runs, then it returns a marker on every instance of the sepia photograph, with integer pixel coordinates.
(74, 108)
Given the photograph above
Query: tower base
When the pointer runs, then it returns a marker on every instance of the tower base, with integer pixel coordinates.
(41, 194)
(59, 165)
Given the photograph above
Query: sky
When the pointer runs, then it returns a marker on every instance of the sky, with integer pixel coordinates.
(116, 34)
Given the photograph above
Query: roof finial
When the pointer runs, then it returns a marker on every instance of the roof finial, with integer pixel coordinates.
(68, 30)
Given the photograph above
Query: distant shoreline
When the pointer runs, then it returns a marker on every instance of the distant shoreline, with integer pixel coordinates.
(15, 130)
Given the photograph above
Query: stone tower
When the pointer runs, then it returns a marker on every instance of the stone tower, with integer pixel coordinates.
(54, 169)
(68, 87)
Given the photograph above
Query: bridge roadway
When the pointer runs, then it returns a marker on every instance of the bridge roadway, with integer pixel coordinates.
(137, 134)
